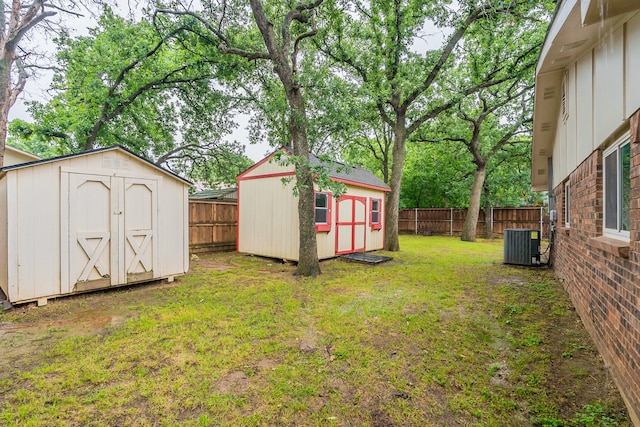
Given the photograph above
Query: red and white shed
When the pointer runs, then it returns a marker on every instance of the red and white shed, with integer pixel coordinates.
(268, 211)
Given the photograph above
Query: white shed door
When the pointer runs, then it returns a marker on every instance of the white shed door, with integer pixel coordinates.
(140, 250)
(112, 231)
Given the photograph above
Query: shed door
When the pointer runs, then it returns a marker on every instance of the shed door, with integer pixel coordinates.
(140, 250)
(91, 202)
(351, 213)
(111, 231)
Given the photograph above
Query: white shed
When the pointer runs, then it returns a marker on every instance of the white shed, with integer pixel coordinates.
(88, 221)
(268, 212)
(13, 156)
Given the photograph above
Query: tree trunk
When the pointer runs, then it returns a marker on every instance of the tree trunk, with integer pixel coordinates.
(308, 263)
(5, 96)
(284, 67)
(471, 221)
(393, 202)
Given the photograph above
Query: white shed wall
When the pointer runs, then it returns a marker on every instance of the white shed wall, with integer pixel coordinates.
(268, 218)
(4, 254)
(13, 156)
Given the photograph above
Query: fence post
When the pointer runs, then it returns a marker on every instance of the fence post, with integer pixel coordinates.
(416, 215)
(491, 221)
(451, 220)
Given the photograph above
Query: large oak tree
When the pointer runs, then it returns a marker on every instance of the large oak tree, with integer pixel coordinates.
(378, 42)
(279, 39)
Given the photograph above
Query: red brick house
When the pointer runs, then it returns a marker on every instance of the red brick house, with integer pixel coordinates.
(586, 153)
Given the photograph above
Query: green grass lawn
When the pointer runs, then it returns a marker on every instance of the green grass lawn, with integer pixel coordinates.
(444, 334)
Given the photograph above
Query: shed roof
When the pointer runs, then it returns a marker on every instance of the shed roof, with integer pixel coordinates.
(338, 171)
(221, 193)
(97, 150)
(350, 174)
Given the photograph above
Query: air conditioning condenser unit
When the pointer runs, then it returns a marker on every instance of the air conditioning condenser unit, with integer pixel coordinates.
(522, 246)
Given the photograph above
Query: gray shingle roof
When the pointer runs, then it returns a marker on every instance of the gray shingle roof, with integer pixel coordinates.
(216, 194)
(354, 174)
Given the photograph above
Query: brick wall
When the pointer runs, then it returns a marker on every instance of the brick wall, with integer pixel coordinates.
(601, 275)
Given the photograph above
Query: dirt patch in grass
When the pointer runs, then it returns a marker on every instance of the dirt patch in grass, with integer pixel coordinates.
(235, 382)
(208, 261)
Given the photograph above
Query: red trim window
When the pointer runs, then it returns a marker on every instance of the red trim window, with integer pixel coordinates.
(374, 213)
(323, 211)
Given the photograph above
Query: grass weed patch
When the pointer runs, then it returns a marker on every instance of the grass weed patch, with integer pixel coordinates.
(443, 334)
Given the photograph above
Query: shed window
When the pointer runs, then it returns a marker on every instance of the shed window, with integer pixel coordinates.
(374, 214)
(617, 189)
(323, 211)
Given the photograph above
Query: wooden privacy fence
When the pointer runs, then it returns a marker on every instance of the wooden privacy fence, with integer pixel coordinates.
(449, 221)
(212, 225)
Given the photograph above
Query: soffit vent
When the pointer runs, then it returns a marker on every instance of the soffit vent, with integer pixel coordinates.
(573, 45)
(542, 152)
(545, 127)
(549, 93)
(542, 171)
(561, 59)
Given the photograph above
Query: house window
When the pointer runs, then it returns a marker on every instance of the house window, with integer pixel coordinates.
(617, 189)
(374, 214)
(323, 211)
(567, 204)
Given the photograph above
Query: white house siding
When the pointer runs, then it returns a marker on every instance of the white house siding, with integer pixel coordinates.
(559, 153)
(602, 92)
(584, 108)
(4, 253)
(42, 217)
(632, 65)
(608, 85)
(268, 166)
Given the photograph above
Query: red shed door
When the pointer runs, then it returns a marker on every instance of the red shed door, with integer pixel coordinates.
(351, 222)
